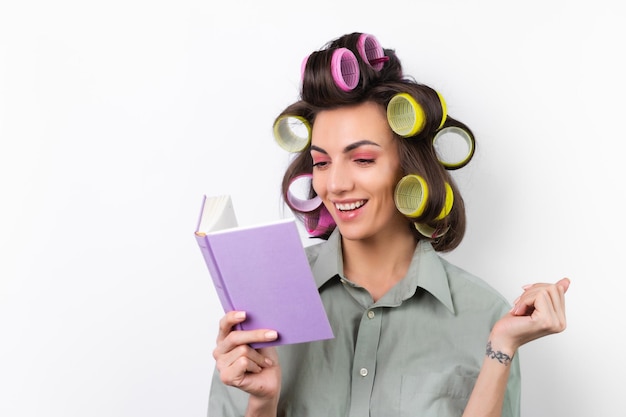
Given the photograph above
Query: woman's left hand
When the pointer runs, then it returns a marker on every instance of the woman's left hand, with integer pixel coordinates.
(538, 312)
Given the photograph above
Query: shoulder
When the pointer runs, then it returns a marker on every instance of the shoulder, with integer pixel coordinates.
(323, 250)
(469, 289)
(313, 251)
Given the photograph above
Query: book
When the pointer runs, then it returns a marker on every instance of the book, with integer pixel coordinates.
(262, 270)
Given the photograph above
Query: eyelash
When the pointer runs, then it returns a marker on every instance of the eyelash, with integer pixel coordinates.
(358, 161)
(364, 161)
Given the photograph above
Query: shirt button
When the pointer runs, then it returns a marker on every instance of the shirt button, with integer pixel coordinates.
(363, 371)
(371, 314)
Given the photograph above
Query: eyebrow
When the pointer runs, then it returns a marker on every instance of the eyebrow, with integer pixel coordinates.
(348, 148)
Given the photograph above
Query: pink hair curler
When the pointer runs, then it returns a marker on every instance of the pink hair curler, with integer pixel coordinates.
(345, 69)
(318, 223)
(303, 66)
(303, 183)
(370, 50)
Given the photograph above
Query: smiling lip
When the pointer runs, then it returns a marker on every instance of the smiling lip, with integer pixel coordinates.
(346, 207)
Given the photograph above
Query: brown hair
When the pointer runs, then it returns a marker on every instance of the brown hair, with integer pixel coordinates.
(417, 155)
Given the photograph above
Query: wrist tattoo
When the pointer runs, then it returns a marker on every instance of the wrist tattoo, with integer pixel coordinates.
(502, 357)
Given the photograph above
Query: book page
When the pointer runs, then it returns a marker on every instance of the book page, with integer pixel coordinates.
(217, 213)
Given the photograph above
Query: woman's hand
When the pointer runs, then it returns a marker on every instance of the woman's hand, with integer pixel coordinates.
(256, 372)
(538, 312)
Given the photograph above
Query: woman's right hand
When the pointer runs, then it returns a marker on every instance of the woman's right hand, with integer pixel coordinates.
(255, 371)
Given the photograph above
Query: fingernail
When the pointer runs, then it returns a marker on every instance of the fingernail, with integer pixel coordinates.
(271, 335)
(527, 286)
(269, 362)
(240, 315)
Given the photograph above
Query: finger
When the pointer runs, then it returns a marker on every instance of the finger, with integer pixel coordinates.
(270, 354)
(548, 314)
(538, 298)
(557, 295)
(247, 337)
(555, 300)
(564, 283)
(235, 374)
(228, 321)
(239, 341)
(528, 302)
(242, 358)
(523, 304)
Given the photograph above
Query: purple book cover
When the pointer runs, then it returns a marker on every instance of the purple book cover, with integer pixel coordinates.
(263, 270)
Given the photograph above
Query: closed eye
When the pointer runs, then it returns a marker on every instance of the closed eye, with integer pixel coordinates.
(320, 164)
(363, 161)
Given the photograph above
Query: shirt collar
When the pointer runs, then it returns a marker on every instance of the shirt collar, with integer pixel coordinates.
(329, 261)
(426, 270)
(431, 274)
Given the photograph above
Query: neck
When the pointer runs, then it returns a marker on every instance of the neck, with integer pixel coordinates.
(378, 264)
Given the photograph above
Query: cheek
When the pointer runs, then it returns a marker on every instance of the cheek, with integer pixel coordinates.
(389, 178)
(317, 183)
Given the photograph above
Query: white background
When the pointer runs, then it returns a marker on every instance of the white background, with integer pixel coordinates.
(116, 116)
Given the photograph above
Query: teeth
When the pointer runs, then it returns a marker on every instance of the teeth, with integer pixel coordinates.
(351, 206)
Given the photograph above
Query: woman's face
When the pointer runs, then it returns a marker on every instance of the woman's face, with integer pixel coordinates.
(356, 168)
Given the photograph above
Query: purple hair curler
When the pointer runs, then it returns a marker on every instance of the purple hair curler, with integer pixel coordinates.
(302, 204)
(371, 51)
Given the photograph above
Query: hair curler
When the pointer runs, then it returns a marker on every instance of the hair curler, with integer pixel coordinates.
(371, 51)
(302, 204)
(454, 147)
(447, 207)
(317, 223)
(345, 69)
(292, 133)
(303, 66)
(444, 110)
(411, 195)
(431, 232)
(405, 116)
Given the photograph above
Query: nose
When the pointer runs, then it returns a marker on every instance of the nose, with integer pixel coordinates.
(339, 179)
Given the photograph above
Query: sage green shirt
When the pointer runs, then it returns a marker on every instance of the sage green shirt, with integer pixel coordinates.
(415, 352)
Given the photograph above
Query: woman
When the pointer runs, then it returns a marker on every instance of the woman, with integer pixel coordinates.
(414, 334)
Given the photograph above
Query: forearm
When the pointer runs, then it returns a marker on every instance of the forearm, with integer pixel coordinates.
(488, 394)
(261, 407)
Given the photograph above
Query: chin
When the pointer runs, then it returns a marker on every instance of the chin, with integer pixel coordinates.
(354, 233)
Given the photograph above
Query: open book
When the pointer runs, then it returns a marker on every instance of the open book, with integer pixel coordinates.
(262, 270)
